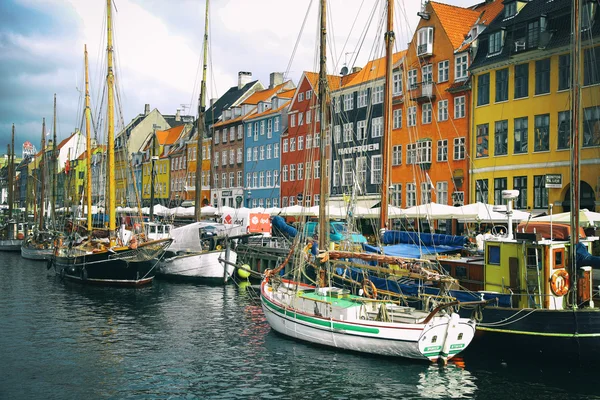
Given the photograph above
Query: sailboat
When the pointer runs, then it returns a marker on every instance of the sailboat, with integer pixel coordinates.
(328, 315)
(8, 233)
(40, 246)
(112, 260)
(198, 248)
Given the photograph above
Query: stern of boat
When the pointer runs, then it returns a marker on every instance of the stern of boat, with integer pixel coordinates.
(448, 335)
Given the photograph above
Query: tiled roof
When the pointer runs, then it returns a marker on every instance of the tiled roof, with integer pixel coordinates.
(488, 11)
(233, 120)
(456, 21)
(270, 111)
(333, 81)
(374, 69)
(288, 94)
(263, 95)
(169, 136)
(212, 114)
(64, 141)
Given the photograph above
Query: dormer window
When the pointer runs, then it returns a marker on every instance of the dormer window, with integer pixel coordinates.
(510, 9)
(425, 41)
(495, 42)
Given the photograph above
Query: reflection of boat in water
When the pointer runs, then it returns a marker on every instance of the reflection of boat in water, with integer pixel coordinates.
(452, 381)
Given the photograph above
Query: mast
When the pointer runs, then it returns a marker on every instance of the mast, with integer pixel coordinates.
(387, 114)
(110, 78)
(201, 107)
(575, 126)
(152, 175)
(88, 145)
(53, 169)
(41, 167)
(11, 173)
(324, 187)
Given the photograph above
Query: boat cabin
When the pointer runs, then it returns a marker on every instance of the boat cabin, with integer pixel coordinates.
(156, 231)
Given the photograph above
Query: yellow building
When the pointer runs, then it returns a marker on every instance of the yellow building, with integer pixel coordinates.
(520, 131)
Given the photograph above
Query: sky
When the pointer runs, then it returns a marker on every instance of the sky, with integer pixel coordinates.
(158, 45)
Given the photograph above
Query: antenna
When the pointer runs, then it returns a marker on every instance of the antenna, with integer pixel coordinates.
(183, 107)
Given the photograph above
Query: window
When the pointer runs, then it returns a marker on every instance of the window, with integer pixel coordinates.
(361, 130)
(249, 130)
(317, 170)
(336, 105)
(499, 186)
(377, 127)
(411, 195)
(483, 89)
(300, 142)
(347, 172)
(459, 148)
(459, 107)
(293, 120)
(231, 156)
(300, 119)
(256, 131)
(425, 193)
(397, 118)
(397, 155)
(216, 179)
(276, 150)
(300, 96)
(564, 130)
(501, 138)
(441, 192)
(541, 136)
(396, 83)
(284, 202)
(591, 71)
(412, 79)
(443, 68)
(533, 34)
(481, 191)
(412, 116)
(521, 80)
(292, 144)
(427, 73)
(308, 94)
(268, 180)
(275, 177)
(442, 150)
(348, 132)
(308, 141)
(300, 171)
(411, 153)
(292, 172)
(361, 170)
(239, 179)
(520, 184)
(255, 153)
(216, 137)
(224, 179)
(269, 151)
(396, 195)
(262, 153)
(348, 101)
(426, 113)
(482, 140)
(232, 134)
(425, 41)
(591, 127)
(224, 137)
(520, 135)
(510, 9)
(317, 197)
(375, 170)
(284, 173)
(540, 193)
(564, 72)
(317, 141)
(495, 43)
(424, 151)
(442, 110)
(461, 67)
(276, 124)
(502, 85)
(240, 131)
(494, 254)
(231, 179)
(308, 116)
(269, 128)
(336, 173)
(377, 95)
(224, 157)
(285, 145)
(337, 134)
(362, 98)
(542, 76)
(307, 170)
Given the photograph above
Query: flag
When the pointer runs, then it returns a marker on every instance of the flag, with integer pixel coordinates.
(429, 181)
(67, 167)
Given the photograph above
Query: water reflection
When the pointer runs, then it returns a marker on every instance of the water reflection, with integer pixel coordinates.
(449, 382)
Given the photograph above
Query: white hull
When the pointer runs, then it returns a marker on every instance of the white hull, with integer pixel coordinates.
(36, 254)
(204, 265)
(349, 324)
(10, 245)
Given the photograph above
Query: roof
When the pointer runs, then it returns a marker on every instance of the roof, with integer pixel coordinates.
(169, 136)
(65, 141)
(456, 21)
(488, 11)
(333, 81)
(213, 113)
(266, 94)
(374, 69)
(288, 94)
(233, 120)
(270, 111)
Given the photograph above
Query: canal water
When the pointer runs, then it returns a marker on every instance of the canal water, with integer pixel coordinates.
(61, 340)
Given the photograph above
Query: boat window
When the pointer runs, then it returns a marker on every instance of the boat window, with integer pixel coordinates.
(434, 339)
(461, 271)
(494, 255)
(460, 336)
(559, 258)
(152, 229)
(339, 228)
(533, 258)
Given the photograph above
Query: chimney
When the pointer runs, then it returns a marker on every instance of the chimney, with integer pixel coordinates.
(275, 78)
(178, 115)
(243, 78)
(147, 109)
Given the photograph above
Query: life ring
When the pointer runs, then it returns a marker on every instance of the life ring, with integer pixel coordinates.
(369, 289)
(560, 283)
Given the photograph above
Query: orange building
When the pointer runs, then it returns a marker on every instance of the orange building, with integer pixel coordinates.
(432, 90)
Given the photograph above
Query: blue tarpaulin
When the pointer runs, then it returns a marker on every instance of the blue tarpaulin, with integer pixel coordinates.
(426, 239)
(279, 223)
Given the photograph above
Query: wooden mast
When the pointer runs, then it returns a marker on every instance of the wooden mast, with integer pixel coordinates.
(11, 178)
(201, 119)
(53, 169)
(88, 145)
(387, 117)
(110, 78)
(575, 143)
(41, 168)
(324, 187)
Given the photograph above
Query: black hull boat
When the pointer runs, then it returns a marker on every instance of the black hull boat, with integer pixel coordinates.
(119, 267)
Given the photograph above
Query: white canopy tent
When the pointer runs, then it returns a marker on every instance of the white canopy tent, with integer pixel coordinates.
(586, 218)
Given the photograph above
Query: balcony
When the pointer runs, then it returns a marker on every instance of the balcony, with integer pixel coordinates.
(422, 92)
(425, 50)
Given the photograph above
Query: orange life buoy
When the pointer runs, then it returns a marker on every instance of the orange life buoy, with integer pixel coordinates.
(560, 283)
(369, 289)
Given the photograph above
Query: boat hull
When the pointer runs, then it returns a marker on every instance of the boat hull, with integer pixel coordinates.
(198, 266)
(36, 254)
(10, 244)
(557, 336)
(398, 340)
